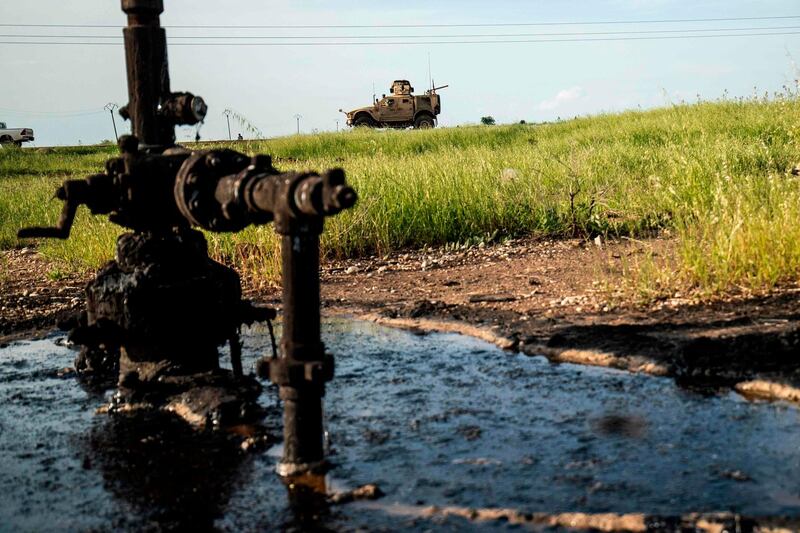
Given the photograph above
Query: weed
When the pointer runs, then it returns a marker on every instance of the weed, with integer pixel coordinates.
(56, 275)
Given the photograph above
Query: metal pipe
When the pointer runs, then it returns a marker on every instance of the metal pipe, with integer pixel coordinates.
(301, 342)
(148, 72)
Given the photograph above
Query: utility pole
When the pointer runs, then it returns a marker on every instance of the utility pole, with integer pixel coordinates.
(298, 117)
(110, 107)
(227, 114)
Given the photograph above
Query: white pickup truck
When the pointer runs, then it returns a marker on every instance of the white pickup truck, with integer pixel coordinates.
(14, 135)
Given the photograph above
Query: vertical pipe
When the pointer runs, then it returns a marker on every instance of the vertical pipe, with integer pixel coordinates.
(301, 300)
(302, 424)
(148, 74)
(302, 427)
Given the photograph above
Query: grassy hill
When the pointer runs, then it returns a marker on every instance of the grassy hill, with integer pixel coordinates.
(715, 175)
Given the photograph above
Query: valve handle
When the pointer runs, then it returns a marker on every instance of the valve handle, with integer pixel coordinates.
(72, 193)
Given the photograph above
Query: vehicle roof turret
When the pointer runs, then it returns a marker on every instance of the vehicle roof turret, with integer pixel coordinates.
(401, 87)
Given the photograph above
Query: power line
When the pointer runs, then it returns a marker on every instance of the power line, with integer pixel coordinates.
(53, 114)
(440, 36)
(396, 43)
(474, 25)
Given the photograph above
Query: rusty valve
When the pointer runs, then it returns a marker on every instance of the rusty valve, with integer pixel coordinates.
(213, 191)
(179, 109)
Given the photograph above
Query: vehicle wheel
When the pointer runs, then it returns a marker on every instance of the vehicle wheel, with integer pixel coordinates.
(363, 121)
(6, 139)
(18, 144)
(424, 122)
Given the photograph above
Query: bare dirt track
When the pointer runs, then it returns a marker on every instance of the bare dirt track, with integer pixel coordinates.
(556, 298)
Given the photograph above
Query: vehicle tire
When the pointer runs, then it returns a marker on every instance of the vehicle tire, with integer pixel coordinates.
(6, 139)
(363, 121)
(424, 122)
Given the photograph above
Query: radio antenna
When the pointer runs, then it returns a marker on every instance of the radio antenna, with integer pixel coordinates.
(430, 78)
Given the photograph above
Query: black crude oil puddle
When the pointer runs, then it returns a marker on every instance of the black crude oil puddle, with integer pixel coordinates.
(434, 420)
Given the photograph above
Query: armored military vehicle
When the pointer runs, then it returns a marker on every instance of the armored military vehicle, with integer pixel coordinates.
(400, 109)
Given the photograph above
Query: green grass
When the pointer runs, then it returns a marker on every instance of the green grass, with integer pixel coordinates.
(712, 173)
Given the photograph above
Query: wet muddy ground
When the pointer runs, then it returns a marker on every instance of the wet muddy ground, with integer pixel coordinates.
(436, 419)
(564, 299)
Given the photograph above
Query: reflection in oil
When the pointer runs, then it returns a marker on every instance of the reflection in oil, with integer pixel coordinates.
(437, 420)
(168, 477)
(163, 471)
(620, 424)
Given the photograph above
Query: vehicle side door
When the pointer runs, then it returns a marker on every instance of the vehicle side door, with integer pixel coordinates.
(405, 109)
(390, 109)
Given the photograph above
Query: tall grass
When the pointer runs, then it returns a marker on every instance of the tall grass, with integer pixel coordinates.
(714, 172)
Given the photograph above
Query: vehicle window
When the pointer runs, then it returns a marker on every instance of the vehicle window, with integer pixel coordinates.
(405, 100)
(389, 102)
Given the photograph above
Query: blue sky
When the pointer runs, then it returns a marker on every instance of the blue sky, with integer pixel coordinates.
(60, 90)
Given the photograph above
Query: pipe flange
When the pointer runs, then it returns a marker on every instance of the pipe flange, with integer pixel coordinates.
(290, 470)
(196, 184)
(286, 372)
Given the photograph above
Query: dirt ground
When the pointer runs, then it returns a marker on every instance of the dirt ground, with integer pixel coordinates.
(552, 298)
(34, 295)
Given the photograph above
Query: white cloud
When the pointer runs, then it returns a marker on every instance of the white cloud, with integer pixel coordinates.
(563, 96)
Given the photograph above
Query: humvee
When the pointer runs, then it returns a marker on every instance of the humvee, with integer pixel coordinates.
(400, 109)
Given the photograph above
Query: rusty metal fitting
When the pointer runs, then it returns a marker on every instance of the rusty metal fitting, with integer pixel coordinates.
(183, 109)
(196, 185)
(224, 190)
(73, 193)
(136, 191)
(249, 313)
(128, 144)
(143, 6)
(292, 373)
(304, 476)
(323, 196)
(301, 201)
